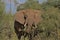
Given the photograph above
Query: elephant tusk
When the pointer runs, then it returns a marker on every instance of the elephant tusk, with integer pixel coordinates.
(24, 25)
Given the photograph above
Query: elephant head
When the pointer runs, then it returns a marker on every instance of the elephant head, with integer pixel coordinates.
(28, 16)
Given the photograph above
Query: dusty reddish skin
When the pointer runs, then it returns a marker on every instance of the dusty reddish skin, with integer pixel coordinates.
(33, 16)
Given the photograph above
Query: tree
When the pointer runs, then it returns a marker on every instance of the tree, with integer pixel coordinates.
(1, 9)
(55, 3)
(32, 4)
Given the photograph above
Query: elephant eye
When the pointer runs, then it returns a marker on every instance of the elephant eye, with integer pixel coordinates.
(24, 17)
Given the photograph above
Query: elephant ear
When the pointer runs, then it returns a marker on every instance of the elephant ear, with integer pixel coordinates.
(37, 16)
(19, 16)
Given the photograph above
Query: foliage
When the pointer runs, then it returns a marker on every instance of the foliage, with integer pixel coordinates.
(55, 3)
(1, 9)
(32, 4)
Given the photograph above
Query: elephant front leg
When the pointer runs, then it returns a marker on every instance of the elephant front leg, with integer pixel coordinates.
(19, 37)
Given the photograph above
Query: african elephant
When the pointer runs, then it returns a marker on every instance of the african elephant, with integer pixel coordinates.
(28, 18)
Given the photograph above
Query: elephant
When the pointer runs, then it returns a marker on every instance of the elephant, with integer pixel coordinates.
(27, 19)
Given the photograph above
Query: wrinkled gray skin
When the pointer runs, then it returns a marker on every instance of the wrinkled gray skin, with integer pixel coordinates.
(29, 18)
